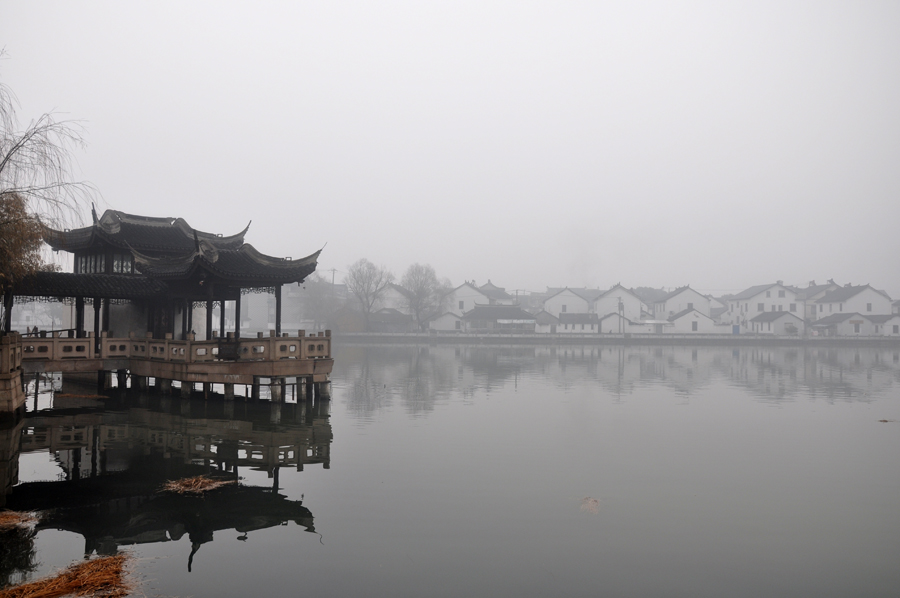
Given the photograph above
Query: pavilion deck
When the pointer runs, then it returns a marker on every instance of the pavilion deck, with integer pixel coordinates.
(227, 361)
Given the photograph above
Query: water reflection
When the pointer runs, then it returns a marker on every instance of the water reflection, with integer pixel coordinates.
(419, 377)
(112, 458)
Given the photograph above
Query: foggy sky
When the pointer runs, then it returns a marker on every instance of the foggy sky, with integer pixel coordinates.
(715, 144)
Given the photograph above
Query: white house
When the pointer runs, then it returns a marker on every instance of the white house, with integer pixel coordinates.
(545, 323)
(861, 299)
(566, 301)
(691, 321)
(464, 298)
(620, 300)
(446, 322)
(499, 318)
(886, 325)
(812, 293)
(574, 323)
(394, 297)
(778, 323)
(844, 324)
(679, 300)
(748, 304)
(496, 295)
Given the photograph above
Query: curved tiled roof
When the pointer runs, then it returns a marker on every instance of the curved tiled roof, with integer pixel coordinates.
(245, 264)
(144, 233)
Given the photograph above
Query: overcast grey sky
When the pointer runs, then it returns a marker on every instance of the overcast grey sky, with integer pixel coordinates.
(715, 144)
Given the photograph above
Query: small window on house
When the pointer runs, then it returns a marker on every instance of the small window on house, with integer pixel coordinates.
(761, 307)
(856, 328)
(582, 326)
(773, 308)
(896, 328)
(462, 305)
(780, 294)
(458, 324)
(690, 306)
(768, 294)
(868, 307)
(694, 326)
(564, 308)
(793, 307)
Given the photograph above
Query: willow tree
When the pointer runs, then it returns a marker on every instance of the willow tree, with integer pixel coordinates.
(36, 185)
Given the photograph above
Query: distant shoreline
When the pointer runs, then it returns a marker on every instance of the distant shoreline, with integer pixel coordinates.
(720, 340)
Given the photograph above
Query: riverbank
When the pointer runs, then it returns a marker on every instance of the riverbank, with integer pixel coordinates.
(615, 339)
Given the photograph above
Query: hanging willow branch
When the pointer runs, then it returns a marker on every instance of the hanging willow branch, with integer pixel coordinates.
(36, 163)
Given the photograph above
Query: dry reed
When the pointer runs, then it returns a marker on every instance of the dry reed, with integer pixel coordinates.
(195, 485)
(590, 505)
(14, 519)
(102, 576)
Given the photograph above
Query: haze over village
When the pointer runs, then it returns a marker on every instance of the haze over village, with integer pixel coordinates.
(479, 298)
(541, 145)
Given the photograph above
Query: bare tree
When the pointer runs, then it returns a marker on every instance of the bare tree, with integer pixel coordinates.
(425, 293)
(36, 162)
(367, 282)
(35, 186)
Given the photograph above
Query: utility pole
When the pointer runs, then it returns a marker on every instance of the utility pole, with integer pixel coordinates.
(333, 271)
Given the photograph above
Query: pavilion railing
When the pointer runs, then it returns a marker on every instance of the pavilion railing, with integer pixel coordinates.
(57, 347)
(10, 354)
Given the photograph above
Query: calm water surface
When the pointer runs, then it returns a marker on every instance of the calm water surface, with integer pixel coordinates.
(488, 471)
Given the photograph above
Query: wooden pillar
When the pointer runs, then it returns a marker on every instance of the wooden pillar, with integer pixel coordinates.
(184, 319)
(96, 322)
(79, 317)
(278, 310)
(222, 318)
(7, 311)
(237, 316)
(106, 314)
(209, 308)
(276, 390)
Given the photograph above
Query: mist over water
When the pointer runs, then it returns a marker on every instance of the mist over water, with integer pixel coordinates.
(527, 471)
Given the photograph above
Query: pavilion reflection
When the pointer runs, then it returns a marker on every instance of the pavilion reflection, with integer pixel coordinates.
(113, 461)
